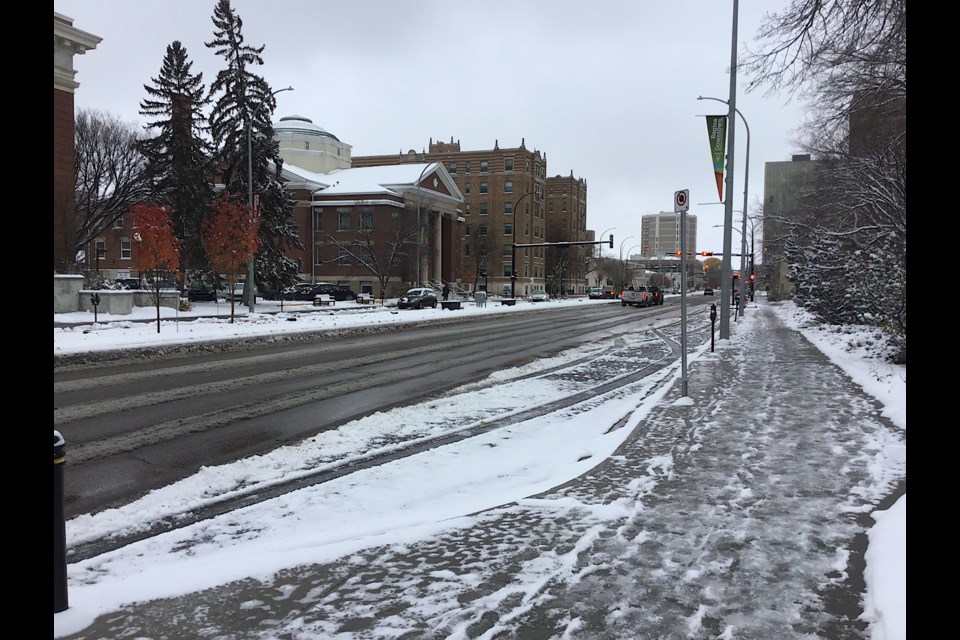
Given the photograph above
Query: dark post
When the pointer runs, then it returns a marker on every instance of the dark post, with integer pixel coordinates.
(713, 323)
(59, 528)
(513, 271)
(95, 301)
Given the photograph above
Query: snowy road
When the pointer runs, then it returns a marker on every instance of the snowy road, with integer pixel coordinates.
(691, 529)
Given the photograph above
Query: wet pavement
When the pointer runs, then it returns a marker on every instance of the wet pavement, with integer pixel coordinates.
(739, 512)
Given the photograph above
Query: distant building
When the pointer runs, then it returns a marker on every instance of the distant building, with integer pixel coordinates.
(783, 185)
(506, 201)
(337, 204)
(660, 234)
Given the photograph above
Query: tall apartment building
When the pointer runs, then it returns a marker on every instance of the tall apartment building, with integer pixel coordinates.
(566, 267)
(504, 202)
(660, 234)
(783, 185)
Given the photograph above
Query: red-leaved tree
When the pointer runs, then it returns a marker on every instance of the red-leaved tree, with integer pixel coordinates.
(230, 239)
(156, 250)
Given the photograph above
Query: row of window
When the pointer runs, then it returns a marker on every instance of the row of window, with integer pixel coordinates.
(344, 257)
(126, 248)
(507, 230)
(484, 166)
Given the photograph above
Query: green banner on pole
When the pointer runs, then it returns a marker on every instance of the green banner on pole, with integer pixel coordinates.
(717, 132)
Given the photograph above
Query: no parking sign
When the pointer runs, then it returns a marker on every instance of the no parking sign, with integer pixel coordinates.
(681, 200)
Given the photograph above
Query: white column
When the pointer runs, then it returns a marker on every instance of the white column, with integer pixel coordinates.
(437, 270)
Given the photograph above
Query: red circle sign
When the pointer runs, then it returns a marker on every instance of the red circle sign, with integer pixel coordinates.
(681, 198)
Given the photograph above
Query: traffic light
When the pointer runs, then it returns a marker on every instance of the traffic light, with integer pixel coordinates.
(706, 253)
(678, 254)
(611, 241)
(753, 276)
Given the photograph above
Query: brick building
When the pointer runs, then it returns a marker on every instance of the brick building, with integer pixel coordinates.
(506, 201)
(68, 41)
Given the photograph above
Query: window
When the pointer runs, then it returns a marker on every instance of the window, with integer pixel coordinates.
(118, 223)
(366, 256)
(483, 230)
(466, 231)
(317, 254)
(483, 208)
(483, 187)
(466, 250)
(366, 287)
(508, 208)
(366, 220)
(483, 166)
(343, 258)
(508, 229)
(468, 167)
(508, 250)
(125, 250)
(100, 247)
(344, 220)
(466, 189)
(466, 209)
(508, 164)
(317, 217)
(508, 186)
(506, 270)
(452, 168)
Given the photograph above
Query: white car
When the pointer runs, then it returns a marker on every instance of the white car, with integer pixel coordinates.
(539, 296)
(237, 294)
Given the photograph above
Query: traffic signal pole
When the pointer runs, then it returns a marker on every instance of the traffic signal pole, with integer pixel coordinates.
(513, 258)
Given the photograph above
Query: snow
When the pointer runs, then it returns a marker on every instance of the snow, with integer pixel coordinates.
(422, 496)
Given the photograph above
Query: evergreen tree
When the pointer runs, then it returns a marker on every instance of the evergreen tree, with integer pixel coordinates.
(179, 156)
(241, 121)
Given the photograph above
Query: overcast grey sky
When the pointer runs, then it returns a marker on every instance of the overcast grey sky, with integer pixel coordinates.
(606, 90)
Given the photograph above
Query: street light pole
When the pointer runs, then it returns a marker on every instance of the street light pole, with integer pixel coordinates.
(728, 203)
(251, 287)
(621, 259)
(513, 253)
(625, 266)
(743, 233)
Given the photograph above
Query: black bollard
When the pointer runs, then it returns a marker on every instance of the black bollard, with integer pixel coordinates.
(713, 323)
(59, 528)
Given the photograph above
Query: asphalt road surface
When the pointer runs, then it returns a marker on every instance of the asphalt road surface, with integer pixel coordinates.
(143, 421)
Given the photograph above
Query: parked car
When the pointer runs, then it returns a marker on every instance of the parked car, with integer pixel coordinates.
(656, 294)
(237, 294)
(595, 293)
(539, 296)
(307, 291)
(707, 291)
(608, 292)
(201, 291)
(128, 283)
(269, 292)
(302, 291)
(418, 298)
(336, 291)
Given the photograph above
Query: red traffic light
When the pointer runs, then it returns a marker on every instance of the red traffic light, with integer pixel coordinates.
(678, 253)
(753, 276)
(706, 253)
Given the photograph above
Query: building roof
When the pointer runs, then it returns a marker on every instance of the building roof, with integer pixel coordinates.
(303, 126)
(385, 180)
